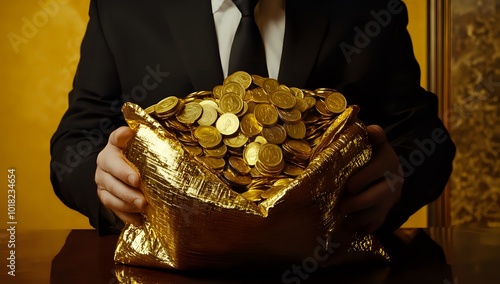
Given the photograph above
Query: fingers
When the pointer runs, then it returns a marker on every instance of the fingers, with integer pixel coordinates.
(376, 194)
(111, 159)
(376, 135)
(133, 198)
(384, 159)
(123, 210)
(367, 220)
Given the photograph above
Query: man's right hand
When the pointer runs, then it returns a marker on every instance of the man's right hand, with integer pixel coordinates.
(117, 182)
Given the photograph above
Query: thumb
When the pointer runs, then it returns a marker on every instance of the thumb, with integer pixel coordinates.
(376, 135)
(121, 136)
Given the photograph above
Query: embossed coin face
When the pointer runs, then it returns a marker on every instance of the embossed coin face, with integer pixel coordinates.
(274, 134)
(297, 93)
(296, 131)
(336, 102)
(270, 85)
(242, 78)
(208, 136)
(250, 126)
(191, 112)
(260, 96)
(270, 155)
(236, 141)
(233, 88)
(266, 114)
(283, 99)
(290, 116)
(208, 116)
(251, 153)
(227, 124)
(231, 103)
(166, 105)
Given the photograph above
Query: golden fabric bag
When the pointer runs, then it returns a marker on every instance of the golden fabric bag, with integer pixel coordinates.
(194, 221)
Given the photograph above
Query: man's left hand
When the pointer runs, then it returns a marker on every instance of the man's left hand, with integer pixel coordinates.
(368, 195)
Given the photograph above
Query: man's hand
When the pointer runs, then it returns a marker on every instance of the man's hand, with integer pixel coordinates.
(368, 196)
(117, 182)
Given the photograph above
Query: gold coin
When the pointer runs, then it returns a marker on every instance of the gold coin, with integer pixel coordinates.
(260, 139)
(166, 105)
(208, 136)
(336, 102)
(301, 105)
(275, 134)
(258, 80)
(283, 99)
(260, 96)
(270, 155)
(322, 109)
(217, 91)
(236, 141)
(310, 101)
(270, 85)
(292, 170)
(254, 195)
(194, 150)
(241, 77)
(231, 103)
(239, 165)
(250, 126)
(300, 146)
(290, 115)
(214, 163)
(237, 179)
(208, 116)
(209, 103)
(266, 114)
(233, 88)
(296, 131)
(283, 182)
(251, 153)
(297, 93)
(150, 109)
(218, 152)
(243, 110)
(227, 124)
(190, 113)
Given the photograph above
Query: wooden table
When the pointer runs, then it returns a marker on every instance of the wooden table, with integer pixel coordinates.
(435, 255)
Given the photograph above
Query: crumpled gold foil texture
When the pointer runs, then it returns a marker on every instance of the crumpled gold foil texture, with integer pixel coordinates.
(194, 221)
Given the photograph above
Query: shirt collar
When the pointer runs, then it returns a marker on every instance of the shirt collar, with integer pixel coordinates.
(218, 5)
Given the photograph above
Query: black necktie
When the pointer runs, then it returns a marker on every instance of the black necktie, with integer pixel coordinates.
(247, 52)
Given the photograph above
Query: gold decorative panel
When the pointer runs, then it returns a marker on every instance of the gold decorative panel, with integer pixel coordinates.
(474, 112)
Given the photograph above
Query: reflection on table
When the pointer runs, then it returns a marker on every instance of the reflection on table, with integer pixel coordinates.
(436, 255)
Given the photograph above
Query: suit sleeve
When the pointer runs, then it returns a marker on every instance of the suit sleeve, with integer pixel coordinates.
(409, 116)
(93, 113)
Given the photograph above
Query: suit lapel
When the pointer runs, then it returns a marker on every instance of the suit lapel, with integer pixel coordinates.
(304, 32)
(192, 26)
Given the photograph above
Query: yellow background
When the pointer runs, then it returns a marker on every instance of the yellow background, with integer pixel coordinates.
(35, 80)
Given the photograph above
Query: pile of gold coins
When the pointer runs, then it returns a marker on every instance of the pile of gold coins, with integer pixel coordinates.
(253, 132)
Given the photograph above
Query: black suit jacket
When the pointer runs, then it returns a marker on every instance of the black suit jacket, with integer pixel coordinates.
(143, 51)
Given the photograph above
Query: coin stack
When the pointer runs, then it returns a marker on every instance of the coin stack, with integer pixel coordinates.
(253, 132)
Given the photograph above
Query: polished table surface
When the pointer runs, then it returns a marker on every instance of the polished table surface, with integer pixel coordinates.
(435, 255)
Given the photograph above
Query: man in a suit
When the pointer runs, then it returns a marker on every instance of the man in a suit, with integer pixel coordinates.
(144, 51)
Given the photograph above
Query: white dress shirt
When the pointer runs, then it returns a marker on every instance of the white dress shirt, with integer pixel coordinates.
(270, 18)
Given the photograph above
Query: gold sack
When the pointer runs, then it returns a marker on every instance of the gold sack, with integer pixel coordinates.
(194, 221)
